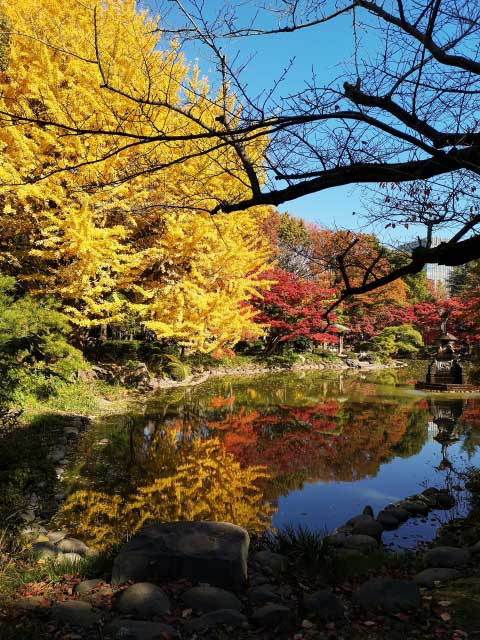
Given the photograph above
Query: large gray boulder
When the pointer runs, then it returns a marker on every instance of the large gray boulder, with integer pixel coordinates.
(387, 594)
(414, 507)
(263, 594)
(204, 551)
(439, 499)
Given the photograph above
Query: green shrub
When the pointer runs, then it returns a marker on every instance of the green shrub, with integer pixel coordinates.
(114, 351)
(398, 340)
(286, 358)
(176, 369)
(325, 355)
(34, 349)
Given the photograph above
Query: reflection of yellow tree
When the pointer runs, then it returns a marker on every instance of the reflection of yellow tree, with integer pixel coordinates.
(209, 484)
(96, 517)
(204, 483)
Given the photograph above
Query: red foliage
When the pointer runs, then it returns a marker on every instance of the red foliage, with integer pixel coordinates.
(427, 319)
(294, 308)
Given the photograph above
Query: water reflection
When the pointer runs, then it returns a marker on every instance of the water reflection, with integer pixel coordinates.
(288, 447)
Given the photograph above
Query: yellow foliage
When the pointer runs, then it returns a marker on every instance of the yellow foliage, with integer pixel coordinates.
(196, 480)
(109, 244)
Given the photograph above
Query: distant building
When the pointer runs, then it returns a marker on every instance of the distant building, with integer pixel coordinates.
(439, 274)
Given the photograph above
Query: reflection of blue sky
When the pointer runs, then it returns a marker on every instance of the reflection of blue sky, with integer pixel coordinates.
(328, 505)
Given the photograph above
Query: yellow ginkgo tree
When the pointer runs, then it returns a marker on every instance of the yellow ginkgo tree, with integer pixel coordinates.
(119, 224)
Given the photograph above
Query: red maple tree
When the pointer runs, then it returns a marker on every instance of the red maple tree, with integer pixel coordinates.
(294, 308)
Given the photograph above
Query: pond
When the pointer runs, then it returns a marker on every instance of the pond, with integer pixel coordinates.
(309, 448)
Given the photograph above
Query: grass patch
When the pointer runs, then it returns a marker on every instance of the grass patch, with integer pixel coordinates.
(306, 548)
(80, 397)
(311, 553)
(464, 595)
(20, 568)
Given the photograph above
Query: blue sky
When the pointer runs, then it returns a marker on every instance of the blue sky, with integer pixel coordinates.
(328, 47)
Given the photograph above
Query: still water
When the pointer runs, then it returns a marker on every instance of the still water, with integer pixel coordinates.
(309, 448)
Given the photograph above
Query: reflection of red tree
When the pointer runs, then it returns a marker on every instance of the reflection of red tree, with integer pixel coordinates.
(219, 401)
(471, 414)
(329, 441)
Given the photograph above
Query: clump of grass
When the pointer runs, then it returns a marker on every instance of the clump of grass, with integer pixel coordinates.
(307, 549)
(311, 553)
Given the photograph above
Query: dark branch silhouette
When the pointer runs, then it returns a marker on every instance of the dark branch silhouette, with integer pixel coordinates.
(404, 117)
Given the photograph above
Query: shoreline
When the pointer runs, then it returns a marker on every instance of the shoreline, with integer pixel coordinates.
(249, 370)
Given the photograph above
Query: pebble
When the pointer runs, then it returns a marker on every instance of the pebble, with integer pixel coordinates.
(387, 594)
(87, 586)
(263, 595)
(139, 630)
(44, 550)
(324, 604)
(75, 613)
(143, 600)
(56, 536)
(361, 543)
(448, 557)
(206, 598)
(270, 560)
(222, 617)
(271, 615)
(428, 577)
(72, 545)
